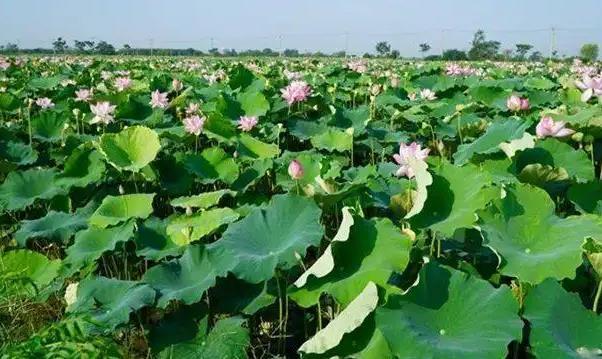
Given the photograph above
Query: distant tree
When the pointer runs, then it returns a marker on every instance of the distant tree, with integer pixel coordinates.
(367, 55)
(394, 54)
(11, 47)
(589, 52)
(126, 49)
(230, 52)
(383, 48)
(482, 48)
(536, 56)
(80, 46)
(339, 54)
(507, 54)
(59, 45)
(454, 55)
(104, 48)
(522, 50)
(291, 52)
(268, 52)
(424, 48)
(214, 51)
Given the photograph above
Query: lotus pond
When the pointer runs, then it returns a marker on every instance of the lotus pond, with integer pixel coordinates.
(315, 208)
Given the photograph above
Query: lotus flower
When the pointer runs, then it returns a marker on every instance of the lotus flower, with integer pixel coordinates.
(159, 99)
(295, 170)
(194, 124)
(192, 108)
(297, 91)
(291, 75)
(516, 103)
(246, 123)
(427, 94)
(122, 83)
(412, 96)
(103, 112)
(4, 64)
(590, 86)
(547, 127)
(44, 102)
(406, 152)
(83, 95)
(358, 65)
(177, 85)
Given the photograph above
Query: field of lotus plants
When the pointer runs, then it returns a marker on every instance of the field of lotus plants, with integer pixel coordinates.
(315, 208)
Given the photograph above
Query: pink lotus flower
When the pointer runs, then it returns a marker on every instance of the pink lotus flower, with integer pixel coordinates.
(406, 152)
(194, 124)
(83, 95)
(590, 86)
(177, 85)
(427, 94)
(192, 108)
(246, 123)
(547, 127)
(122, 83)
(159, 99)
(44, 102)
(358, 65)
(516, 103)
(103, 113)
(292, 75)
(297, 91)
(4, 64)
(295, 170)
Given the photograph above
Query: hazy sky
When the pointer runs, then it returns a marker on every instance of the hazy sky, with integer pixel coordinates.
(303, 24)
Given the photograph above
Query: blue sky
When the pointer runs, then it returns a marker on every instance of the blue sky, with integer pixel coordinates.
(303, 24)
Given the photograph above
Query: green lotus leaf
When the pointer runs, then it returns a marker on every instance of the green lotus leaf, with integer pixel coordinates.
(539, 83)
(253, 103)
(272, 237)
(185, 229)
(212, 164)
(423, 180)
(334, 140)
(131, 149)
(56, 226)
(325, 264)
(535, 243)
(561, 327)
(454, 197)
(587, 197)
(348, 320)
(252, 148)
(202, 201)
(25, 273)
(187, 278)
(116, 209)
(152, 241)
(18, 153)
(558, 154)
(110, 301)
(90, 244)
(249, 298)
(497, 133)
(48, 126)
(22, 188)
(510, 148)
(83, 167)
(375, 250)
(45, 83)
(227, 339)
(447, 315)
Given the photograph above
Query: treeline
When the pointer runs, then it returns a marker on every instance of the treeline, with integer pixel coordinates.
(480, 49)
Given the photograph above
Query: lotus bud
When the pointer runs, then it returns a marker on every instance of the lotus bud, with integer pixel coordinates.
(295, 170)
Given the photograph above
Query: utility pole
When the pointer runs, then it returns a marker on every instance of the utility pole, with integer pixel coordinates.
(152, 45)
(346, 43)
(552, 42)
(280, 45)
